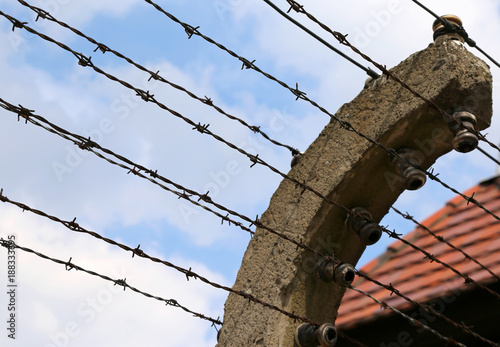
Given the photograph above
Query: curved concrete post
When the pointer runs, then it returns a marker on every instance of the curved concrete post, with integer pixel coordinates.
(351, 171)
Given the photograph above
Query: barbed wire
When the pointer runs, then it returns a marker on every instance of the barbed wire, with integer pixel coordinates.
(368, 71)
(413, 321)
(429, 309)
(46, 15)
(461, 31)
(343, 124)
(75, 227)
(147, 97)
(86, 144)
(86, 62)
(255, 159)
(432, 258)
(156, 76)
(443, 240)
(19, 110)
(431, 175)
(137, 168)
(343, 41)
(10, 244)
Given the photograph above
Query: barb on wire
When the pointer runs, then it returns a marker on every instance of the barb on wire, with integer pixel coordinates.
(469, 199)
(69, 265)
(156, 75)
(442, 239)
(461, 31)
(412, 321)
(73, 226)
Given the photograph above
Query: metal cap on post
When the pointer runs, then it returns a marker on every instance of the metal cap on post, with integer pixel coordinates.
(448, 24)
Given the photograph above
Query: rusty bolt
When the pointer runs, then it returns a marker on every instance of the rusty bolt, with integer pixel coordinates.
(413, 177)
(361, 222)
(308, 335)
(343, 274)
(464, 141)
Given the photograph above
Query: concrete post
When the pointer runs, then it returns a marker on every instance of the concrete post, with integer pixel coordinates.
(353, 172)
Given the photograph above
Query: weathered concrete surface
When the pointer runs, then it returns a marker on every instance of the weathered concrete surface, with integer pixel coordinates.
(352, 172)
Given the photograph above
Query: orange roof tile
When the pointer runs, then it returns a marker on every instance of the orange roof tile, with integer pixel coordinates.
(464, 225)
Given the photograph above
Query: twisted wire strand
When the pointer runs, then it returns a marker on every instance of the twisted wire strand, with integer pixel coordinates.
(368, 71)
(10, 244)
(492, 158)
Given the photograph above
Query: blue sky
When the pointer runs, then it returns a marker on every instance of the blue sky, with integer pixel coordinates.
(43, 77)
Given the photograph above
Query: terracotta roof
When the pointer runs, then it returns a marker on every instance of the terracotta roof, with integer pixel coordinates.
(466, 226)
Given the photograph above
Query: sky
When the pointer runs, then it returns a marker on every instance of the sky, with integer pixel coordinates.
(68, 308)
